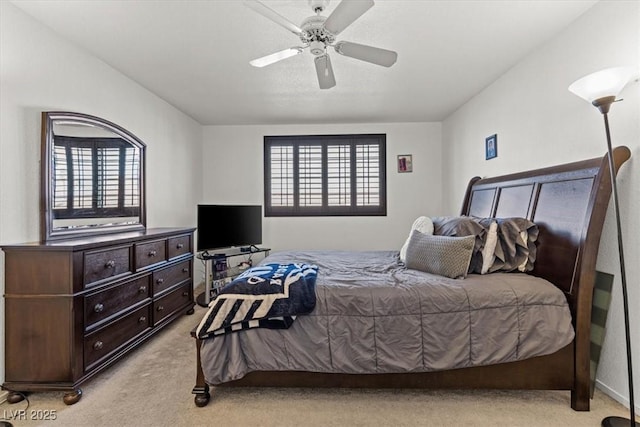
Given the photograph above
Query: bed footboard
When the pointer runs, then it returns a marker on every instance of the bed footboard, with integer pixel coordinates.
(551, 372)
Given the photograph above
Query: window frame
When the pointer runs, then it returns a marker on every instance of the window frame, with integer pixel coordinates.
(324, 141)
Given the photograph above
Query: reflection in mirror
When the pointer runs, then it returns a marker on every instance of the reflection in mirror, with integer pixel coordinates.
(92, 177)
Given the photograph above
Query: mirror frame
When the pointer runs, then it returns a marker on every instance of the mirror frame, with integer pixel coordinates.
(47, 230)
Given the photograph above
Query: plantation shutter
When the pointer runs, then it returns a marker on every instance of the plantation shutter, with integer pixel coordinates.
(325, 175)
(92, 177)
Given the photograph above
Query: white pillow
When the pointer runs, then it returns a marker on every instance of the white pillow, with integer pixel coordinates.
(424, 225)
(489, 250)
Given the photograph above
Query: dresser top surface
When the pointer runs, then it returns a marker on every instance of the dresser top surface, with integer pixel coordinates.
(101, 240)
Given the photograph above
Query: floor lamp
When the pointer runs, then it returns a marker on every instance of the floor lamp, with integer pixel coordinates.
(601, 89)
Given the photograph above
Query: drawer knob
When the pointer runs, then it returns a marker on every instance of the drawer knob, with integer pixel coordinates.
(152, 253)
(160, 281)
(142, 319)
(98, 308)
(185, 294)
(98, 345)
(160, 308)
(179, 246)
(110, 264)
(142, 289)
(185, 270)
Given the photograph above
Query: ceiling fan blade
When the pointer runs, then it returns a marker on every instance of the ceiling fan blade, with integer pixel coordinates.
(325, 72)
(267, 12)
(375, 55)
(345, 13)
(275, 57)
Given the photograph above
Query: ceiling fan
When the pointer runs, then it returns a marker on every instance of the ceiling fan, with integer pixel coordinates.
(318, 32)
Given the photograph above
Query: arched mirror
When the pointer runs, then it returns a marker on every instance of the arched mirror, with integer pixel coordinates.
(92, 177)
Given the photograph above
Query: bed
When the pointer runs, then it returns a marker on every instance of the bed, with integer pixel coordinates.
(567, 203)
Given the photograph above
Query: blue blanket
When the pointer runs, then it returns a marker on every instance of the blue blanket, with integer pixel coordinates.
(266, 296)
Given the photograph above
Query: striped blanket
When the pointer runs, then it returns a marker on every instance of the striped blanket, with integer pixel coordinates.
(266, 296)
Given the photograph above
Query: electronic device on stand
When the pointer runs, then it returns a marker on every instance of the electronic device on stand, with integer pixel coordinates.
(226, 233)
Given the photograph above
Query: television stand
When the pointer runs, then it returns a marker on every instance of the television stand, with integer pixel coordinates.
(214, 280)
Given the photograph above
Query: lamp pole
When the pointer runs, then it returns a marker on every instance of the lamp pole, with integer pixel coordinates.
(604, 104)
(600, 89)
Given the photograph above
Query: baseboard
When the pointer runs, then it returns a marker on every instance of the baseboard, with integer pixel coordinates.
(615, 395)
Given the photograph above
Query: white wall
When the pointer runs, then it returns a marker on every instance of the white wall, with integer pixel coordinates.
(233, 172)
(540, 123)
(40, 71)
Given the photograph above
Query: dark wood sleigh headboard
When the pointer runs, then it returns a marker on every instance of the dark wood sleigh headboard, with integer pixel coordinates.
(569, 204)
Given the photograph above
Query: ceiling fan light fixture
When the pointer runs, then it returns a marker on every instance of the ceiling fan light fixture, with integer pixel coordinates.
(317, 48)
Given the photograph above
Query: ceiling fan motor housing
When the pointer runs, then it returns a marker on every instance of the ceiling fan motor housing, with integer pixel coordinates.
(315, 35)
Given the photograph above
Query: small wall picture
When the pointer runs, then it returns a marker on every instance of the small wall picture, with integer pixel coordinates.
(491, 147)
(405, 163)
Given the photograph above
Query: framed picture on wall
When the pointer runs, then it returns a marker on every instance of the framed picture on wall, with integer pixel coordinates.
(491, 147)
(405, 163)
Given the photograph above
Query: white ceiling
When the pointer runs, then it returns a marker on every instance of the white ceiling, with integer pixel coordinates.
(195, 54)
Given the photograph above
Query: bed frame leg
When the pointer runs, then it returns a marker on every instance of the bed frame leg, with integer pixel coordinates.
(580, 400)
(202, 396)
(201, 390)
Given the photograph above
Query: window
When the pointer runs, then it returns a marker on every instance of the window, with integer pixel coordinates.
(325, 175)
(95, 175)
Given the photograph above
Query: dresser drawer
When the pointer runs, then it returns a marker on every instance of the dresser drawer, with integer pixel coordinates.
(104, 264)
(102, 343)
(178, 246)
(170, 276)
(104, 304)
(149, 253)
(172, 302)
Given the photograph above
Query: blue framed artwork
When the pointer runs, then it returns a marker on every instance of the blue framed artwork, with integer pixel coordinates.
(491, 147)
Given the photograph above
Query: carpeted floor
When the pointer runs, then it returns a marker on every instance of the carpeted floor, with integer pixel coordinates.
(152, 387)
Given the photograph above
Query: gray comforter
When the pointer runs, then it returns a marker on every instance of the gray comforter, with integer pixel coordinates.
(375, 316)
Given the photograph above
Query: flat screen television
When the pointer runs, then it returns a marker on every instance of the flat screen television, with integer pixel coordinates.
(228, 226)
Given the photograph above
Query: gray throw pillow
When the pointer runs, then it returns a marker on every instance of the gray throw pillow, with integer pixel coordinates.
(516, 247)
(460, 226)
(443, 255)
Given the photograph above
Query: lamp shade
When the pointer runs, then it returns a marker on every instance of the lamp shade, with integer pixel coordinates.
(604, 83)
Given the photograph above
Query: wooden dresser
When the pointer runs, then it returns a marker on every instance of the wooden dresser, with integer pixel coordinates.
(74, 307)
